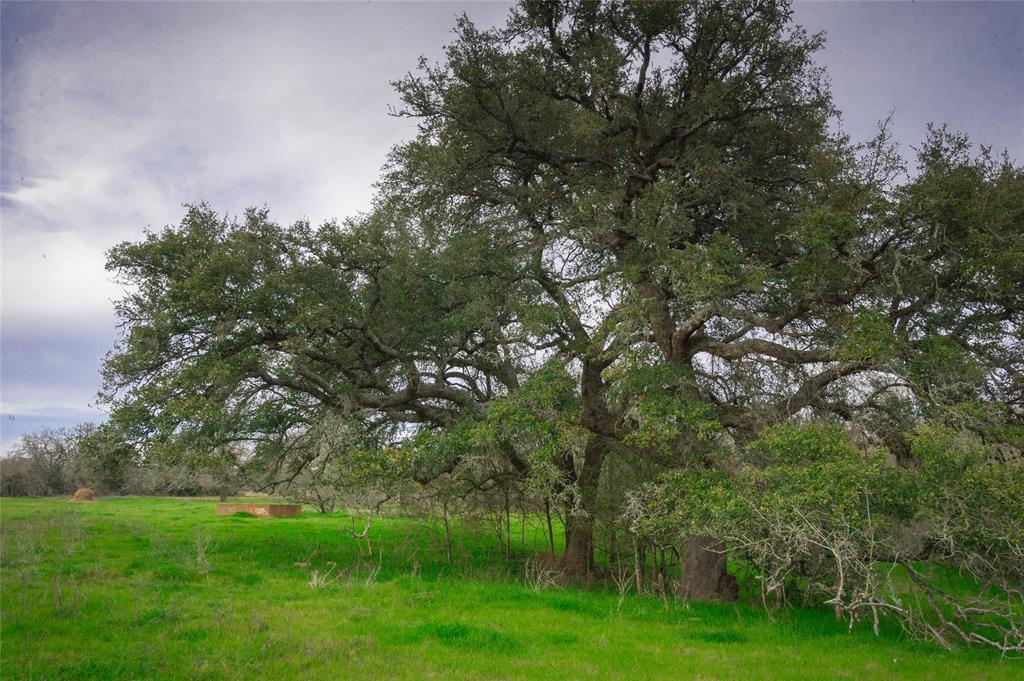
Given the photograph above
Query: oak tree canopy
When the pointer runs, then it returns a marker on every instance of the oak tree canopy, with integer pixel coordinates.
(626, 240)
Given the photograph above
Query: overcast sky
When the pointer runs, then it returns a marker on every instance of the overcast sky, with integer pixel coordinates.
(114, 115)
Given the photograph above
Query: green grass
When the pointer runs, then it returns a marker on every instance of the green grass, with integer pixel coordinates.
(118, 589)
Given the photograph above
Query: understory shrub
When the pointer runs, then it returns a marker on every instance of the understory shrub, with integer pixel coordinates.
(937, 546)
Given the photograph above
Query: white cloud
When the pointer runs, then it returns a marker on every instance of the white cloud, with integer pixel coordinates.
(53, 276)
(115, 114)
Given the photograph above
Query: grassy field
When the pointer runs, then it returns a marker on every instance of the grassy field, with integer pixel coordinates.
(163, 588)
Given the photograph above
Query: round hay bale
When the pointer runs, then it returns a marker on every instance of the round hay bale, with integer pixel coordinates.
(83, 494)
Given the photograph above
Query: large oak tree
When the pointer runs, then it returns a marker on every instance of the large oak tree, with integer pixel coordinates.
(651, 196)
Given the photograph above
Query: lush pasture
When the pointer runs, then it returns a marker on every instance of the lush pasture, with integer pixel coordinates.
(163, 588)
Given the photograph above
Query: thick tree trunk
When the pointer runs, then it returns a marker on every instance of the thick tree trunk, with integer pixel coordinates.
(578, 560)
(704, 577)
(579, 519)
(579, 546)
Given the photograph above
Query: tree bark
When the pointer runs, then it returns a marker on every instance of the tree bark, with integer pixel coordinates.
(579, 520)
(551, 530)
(578, 560)
(447, 533)
(704, 577)
(508, 529)
(638, 565)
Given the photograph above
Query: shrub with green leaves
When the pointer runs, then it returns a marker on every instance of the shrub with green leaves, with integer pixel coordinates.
(939, 547)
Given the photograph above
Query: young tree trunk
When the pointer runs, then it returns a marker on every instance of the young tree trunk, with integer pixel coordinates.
(638, 565)
(522, 524)
(447, 534)
(659, 563)
(508, 529)
(704, 577)
(551, 529)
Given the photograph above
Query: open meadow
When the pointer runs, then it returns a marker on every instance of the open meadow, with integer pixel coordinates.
(544, 339)
(130, 588)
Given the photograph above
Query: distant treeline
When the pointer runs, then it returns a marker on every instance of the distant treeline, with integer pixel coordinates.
(56, 462)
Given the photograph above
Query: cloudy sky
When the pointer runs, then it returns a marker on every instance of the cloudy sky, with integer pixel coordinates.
(114, 115)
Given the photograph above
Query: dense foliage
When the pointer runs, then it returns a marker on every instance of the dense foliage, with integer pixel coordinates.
(624, 258)
(938, 544)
